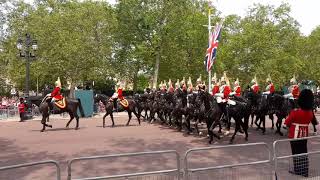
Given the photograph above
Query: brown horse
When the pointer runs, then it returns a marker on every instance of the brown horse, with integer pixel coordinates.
(110, 107)
(71, 107)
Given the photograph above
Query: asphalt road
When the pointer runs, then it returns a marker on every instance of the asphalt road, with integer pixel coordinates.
(22, 142)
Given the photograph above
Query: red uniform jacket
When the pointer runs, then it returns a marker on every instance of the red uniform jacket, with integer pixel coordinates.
(171, 89)
(295, 91)
(298, 123)
(22, 107)
(120, 95)
(255, 88)
(226, 92)
(215, 89)
(272, 90)
(237, 90)
(56, 93)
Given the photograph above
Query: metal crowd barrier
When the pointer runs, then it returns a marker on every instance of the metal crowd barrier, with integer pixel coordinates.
(34, 164)
(170, 174)
(297, 166)
(230, 171)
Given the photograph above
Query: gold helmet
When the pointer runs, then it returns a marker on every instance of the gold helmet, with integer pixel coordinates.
(189, 81)
(199, 80)
(177, 83)
(224, 77)
(183, 81)
(237, 83)
(170, 83)
(254, 80)
(293, 80)
(58, 82)
(268, 79)
(214, 78)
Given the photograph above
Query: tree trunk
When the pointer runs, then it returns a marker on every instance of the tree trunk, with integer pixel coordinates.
(72, 90)
(135, 78)
(156, 71)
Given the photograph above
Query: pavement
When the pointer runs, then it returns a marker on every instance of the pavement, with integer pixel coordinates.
(22, 142)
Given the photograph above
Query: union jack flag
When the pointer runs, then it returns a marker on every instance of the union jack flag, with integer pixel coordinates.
(212, 47)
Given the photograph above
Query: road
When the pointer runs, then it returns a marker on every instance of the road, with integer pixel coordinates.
(22, 142)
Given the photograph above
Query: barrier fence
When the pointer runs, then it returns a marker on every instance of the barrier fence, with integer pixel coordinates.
(167, 174)
(279, 166)
(18, 166)
(254, 169)
(297, 166)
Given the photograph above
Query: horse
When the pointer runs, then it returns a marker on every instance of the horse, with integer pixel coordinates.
(71, 107)
(212, 112)
(110, 106)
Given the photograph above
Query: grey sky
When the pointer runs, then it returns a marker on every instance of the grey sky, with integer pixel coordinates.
(306, 12)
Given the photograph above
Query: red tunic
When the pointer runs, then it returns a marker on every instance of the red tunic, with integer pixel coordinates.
(295, 91)
(226, 92)
(21, 108)
(272, 90)
(298, 123)
(171, 89)
(120, 96)
(215, 89)
(255, 88)
(56, 93)
(237, 90)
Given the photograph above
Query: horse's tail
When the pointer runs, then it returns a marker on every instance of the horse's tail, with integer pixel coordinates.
(80, 108)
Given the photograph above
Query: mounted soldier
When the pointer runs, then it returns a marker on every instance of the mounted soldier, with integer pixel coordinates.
(56, 97)
(236, 88)
(215, 83)
(225, 90)
(171, 88)
(177, 84)
(200, 85)
(270, 88)
(294, 90)
(184, 87)
(255, 86)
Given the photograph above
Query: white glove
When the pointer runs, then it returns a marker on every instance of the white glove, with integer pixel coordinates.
(48, 95)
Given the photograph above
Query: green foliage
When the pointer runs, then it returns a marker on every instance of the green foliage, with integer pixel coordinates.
(84, 41)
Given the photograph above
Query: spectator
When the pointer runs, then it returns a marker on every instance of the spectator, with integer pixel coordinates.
(22, 109)
(298, 123)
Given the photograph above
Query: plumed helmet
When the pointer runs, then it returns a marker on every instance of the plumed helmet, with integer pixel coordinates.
(170, 83)
(58, 82)
(183, 81)
(237, 83)
(224, 77)
(214, 78)
(293, 80)
(161, 84)
(177, 83)
(269, 78)
(189, 81)
(199, 79)
(254, 80)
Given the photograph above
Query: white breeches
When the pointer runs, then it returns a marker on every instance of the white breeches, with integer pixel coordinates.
(114, 96)
(266, 93)
(289, 96)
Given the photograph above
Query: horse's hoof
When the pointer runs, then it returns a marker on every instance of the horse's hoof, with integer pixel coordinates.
(231, 142)
(42, 131)
(50, 126)
(127, 124)
(257, 129)
(280, 133)
(210, 142)
(76, 128)
(246, 138)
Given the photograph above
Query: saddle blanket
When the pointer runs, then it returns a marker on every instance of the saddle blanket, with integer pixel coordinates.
(124, 103)
(61, 103)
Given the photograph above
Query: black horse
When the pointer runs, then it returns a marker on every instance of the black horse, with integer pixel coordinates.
(110, 107)
(71, 107)
(212, 112)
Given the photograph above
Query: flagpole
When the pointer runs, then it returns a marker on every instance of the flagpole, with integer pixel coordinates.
(209, 29)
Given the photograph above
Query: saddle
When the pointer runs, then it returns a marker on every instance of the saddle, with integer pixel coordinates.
(61, 103)
(124, 102)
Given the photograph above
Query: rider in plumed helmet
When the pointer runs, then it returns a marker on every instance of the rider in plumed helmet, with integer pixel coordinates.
(56, 93)
(200, 85)
(177, 84)
(255, 86)
(236, 88)
(294, 90)
(190, 86)
(171, 88)
(270, 88)
(215, 83)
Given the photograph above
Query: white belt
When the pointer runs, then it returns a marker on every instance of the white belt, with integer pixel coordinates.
(296, 129)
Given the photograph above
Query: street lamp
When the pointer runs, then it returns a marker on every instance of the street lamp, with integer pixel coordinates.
(27, 50)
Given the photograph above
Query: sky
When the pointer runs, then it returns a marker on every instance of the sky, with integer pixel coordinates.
(306, 12)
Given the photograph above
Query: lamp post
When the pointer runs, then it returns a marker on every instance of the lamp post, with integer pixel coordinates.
(27, 48)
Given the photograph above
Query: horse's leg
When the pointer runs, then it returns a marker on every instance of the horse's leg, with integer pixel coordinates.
(130, 116)
(137, 115)
(71, 118)
(235, 131)
(111, 115)
(272, 120)
(77, 120)
(263, 120)
(278, 124)
(104, 119)
(252, 117)
(43, 122)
